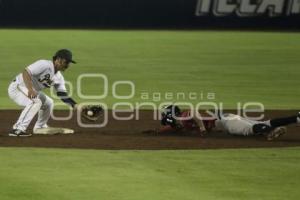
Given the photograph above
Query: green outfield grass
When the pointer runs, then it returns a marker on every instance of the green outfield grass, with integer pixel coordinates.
(236, 66)
(90, 174)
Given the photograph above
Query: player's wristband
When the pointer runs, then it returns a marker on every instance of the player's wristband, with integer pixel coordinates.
(66, 99)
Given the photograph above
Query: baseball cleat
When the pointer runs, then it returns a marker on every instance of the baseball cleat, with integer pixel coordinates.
(18, 133)
(52, 131)
(276, 133)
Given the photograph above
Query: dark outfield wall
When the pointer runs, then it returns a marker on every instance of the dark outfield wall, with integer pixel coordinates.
(151, 13)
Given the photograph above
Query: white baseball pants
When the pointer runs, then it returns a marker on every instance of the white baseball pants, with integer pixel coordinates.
(237, 125)
(42, 105)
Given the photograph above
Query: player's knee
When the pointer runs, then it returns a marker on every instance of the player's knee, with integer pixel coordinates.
(48, 104)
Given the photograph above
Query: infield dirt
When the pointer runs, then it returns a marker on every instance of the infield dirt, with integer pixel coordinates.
(130, 135)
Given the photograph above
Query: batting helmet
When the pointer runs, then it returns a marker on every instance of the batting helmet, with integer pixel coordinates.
(171, 111)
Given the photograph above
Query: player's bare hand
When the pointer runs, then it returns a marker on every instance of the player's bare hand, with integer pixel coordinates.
(32, 94)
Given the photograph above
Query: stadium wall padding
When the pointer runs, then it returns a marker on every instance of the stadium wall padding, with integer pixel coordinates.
(149, 14)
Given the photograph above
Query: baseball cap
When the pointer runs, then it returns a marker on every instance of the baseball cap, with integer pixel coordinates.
(66, 54)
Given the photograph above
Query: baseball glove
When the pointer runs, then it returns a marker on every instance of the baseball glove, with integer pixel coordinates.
(91, 112)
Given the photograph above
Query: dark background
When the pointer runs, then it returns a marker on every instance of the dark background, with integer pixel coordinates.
(127, 14)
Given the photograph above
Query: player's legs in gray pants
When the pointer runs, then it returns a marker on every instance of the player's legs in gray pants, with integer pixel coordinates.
(44, 112)
(31, 106)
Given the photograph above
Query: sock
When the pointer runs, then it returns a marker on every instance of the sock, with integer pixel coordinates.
(284, 121)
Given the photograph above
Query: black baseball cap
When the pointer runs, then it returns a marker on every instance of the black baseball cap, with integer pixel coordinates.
(66, 54)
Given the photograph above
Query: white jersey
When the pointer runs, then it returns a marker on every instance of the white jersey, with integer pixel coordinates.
(43, 76)
(236, 125)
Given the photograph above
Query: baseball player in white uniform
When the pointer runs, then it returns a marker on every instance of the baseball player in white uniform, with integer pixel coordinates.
(26, 91)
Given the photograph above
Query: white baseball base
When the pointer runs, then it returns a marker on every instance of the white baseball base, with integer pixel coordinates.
(52, 131)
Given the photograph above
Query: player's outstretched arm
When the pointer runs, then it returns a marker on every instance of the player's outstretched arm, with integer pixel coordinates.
(199, 122)
(66, 99)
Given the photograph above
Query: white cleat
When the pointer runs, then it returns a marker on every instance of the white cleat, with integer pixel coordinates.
(52, 131)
